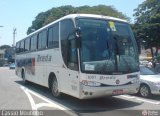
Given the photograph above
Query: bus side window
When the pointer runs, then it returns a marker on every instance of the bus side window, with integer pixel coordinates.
(53, 36)
(42, 40)
(66, 31)
(22, 46)
(27, 44)
(17, 47)
(33, 46)
(72, 53)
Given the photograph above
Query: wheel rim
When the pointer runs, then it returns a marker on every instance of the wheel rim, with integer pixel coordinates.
(144, 91)
(55, 88)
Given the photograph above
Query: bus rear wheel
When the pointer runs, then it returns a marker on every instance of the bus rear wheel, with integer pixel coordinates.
(23, 77)
(54, 88)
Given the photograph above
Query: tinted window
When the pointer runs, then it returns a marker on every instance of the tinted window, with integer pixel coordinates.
(67, 28)
(22, 46)
(42, 39)
(53, 36)
(72, 55)
(27, 44)
(33, 42)
(17, 47)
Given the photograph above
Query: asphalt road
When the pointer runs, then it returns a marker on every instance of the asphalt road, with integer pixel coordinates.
(16, 98)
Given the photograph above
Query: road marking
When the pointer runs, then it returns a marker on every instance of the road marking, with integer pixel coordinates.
(49, 103)
(140, 99)
(43, 105)
(33, 105)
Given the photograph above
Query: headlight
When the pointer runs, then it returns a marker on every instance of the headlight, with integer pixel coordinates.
(90, 83)
(135, 81)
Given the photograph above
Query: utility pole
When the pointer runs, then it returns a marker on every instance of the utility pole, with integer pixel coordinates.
(14, 34)
(1, 26)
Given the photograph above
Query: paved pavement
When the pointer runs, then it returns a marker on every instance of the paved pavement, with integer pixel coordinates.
(15, 96)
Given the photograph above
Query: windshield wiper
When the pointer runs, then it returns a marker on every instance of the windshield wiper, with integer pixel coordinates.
(128, 66)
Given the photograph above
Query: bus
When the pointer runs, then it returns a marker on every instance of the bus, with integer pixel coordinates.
(82, 55)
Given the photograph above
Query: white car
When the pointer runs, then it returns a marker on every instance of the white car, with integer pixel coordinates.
(149, 82)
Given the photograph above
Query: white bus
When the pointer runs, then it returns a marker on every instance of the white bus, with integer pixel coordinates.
(82, 55)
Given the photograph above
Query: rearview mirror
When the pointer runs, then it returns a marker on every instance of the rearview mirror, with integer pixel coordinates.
(78, 37)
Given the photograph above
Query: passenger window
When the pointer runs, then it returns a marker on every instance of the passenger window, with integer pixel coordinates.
(22, 46)
(69, 52)
(27, 44)
(72, 55)
(17, 47)
(53, 36)
(33, 42)
(42, 39)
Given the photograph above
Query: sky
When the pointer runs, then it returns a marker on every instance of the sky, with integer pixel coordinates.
(19, 14)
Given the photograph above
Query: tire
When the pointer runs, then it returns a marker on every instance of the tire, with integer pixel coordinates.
(25, 82)
(145, 91)
(55, 88)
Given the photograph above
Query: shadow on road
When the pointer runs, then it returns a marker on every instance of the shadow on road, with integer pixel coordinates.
(152, 97)
(155, 97)
(83, 106)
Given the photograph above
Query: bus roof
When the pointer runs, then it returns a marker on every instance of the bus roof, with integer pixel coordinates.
(72, 16)
(93, 16)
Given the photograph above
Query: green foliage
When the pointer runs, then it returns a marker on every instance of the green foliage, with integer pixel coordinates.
(51, 15)
(147, 22)
(4, 47)
(158, 58)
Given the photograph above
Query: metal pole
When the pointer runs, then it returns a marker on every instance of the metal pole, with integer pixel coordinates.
(1, 26)
(14, 34)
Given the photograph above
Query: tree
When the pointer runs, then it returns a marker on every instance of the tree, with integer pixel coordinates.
(9, 52)
(4, 47)
(51, 15)
(39, 22)
(147, 23)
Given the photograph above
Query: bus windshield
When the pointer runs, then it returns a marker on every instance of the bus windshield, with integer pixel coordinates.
(107, 47)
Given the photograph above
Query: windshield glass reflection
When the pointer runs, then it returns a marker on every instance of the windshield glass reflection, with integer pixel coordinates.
(107, 47)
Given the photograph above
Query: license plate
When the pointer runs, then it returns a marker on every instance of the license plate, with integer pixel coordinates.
(115, 92)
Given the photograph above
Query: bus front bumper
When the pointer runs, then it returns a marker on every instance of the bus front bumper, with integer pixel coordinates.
(95, 92)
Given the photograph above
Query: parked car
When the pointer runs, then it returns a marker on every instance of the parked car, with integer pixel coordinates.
(12, 66)
(149, 82)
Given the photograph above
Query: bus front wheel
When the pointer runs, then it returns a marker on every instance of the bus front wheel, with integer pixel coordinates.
(54, 87)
